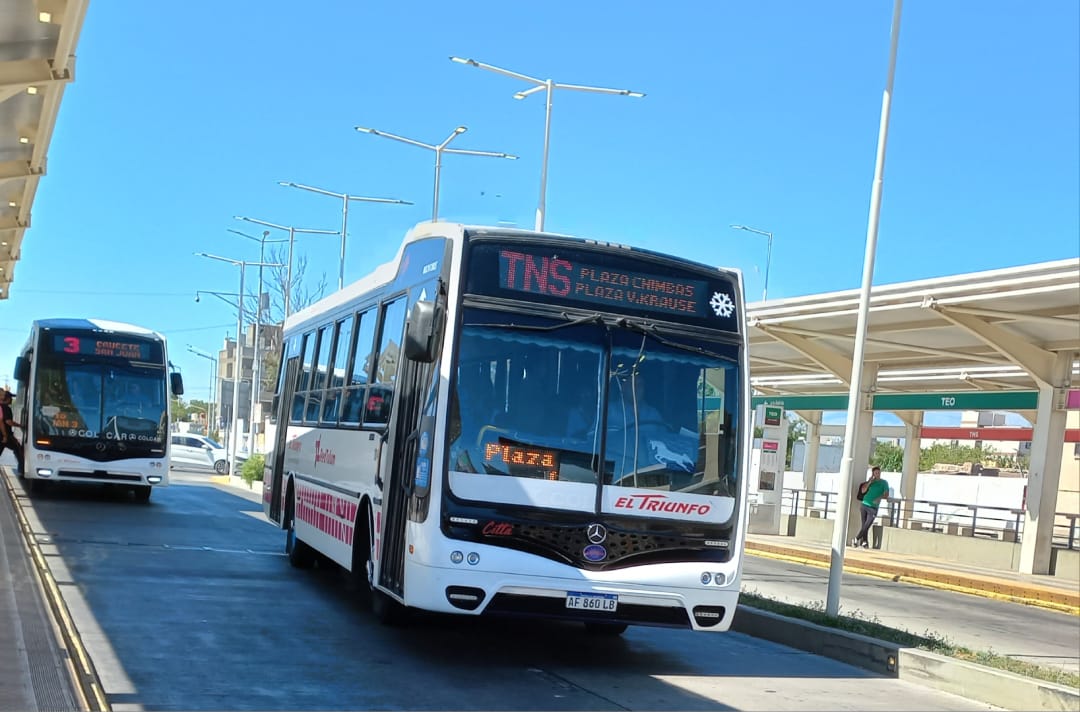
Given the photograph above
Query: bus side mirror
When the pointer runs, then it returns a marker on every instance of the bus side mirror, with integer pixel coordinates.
(176, 382)
(22, 369)
(421, 332)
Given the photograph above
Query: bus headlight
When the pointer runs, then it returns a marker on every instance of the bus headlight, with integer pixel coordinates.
(706, 577)
(44, 472)
(456, 557)
(473, 558)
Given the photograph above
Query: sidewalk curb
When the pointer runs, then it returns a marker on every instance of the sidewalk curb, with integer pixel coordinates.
(86, 683)
(1004, 591)
(969, 680)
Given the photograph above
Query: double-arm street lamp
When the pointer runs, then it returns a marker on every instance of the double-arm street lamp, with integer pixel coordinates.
(439, 150)
(293, 231)
(344, 198)
(213, 384)
(768, 257)
(239, 361)
(256, 366)
(549, 86)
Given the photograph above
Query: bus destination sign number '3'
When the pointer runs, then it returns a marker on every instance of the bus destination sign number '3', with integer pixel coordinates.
(89, 346)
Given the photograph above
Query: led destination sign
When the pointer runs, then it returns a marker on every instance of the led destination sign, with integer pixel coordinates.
(633, 282)
(83, 345)
(559, 277)
(524, 461)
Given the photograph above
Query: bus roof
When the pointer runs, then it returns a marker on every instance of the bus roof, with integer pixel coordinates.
(95, 324)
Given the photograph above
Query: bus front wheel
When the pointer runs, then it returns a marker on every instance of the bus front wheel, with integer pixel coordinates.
(142, 493)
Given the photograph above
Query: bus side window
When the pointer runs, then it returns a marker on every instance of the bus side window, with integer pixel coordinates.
(359, 368)
(318, 374)
(303, 378)
(381, 396)
(337, 361)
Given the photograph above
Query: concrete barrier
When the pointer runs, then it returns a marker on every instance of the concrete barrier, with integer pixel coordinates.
(983, 684)
(969, 680)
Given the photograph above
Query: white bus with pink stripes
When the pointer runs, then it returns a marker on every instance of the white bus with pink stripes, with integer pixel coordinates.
(504, 422)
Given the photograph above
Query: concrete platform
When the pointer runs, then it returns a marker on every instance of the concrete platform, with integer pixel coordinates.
(1046, 591)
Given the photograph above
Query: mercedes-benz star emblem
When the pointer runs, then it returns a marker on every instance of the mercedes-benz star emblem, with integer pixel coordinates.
(596, 533)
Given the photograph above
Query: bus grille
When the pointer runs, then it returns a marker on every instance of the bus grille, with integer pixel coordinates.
(622, 546)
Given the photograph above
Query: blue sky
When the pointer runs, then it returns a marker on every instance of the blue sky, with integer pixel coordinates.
(766, 114)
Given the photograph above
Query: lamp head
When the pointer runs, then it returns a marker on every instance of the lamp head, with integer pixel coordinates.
(196, 297)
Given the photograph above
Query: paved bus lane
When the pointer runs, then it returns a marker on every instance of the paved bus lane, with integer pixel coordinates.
(188, 603)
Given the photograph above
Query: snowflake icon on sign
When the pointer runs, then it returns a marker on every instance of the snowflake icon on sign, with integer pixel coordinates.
(722, 304)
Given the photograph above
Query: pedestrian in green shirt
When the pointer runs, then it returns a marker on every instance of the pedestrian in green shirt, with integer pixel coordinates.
(871, 492)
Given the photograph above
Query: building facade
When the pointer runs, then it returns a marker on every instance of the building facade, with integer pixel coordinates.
(230, 367)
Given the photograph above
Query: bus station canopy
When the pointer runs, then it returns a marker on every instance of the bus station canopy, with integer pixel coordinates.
(949, 341)
(37, 47)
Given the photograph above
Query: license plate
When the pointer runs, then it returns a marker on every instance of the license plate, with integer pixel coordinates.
(592, 601)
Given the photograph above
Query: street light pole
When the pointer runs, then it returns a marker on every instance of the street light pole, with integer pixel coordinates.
(549, 86)
(345, 198)
(239, 361)
(213, 384)
(292, 230)
(439, 149)
(768, 257)
(256, 366)
(840, 525)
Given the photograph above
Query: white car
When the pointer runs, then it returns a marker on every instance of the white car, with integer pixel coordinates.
(190, 450)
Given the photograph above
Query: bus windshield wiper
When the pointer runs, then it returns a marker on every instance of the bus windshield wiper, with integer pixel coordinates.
(591, 319)
(654, 332)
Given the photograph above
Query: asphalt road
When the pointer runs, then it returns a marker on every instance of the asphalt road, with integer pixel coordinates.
(1035, 634)
(188, 603)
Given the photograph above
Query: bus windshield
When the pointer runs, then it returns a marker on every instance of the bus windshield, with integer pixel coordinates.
(606, 406)
(97, 401)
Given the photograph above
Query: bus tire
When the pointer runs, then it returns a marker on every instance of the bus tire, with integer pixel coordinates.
(605, 629)
(362, 569)
(142, 493)
(301, 556)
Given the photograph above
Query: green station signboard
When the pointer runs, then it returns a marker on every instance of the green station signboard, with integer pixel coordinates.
(967, 400)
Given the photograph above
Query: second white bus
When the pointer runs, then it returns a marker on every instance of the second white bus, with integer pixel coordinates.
(94, 398)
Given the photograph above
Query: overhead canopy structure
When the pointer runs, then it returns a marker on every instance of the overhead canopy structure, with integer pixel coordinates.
(1004, 339)
(982, 331)
(37, 46)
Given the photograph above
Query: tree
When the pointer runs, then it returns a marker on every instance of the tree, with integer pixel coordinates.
(300, 295)
(796, 431)
(950, 454)
(182, 410)
(888, 456)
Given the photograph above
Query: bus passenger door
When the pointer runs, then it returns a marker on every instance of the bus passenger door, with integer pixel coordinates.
(272, 486)
(413, 383)
(398, 488)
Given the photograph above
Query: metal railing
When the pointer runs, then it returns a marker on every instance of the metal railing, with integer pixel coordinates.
(955, 518)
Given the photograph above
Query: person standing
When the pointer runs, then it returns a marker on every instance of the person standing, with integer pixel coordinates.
(7, 431)
(872, 492)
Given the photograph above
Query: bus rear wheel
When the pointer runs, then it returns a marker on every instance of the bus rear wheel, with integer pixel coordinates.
(301, 556)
